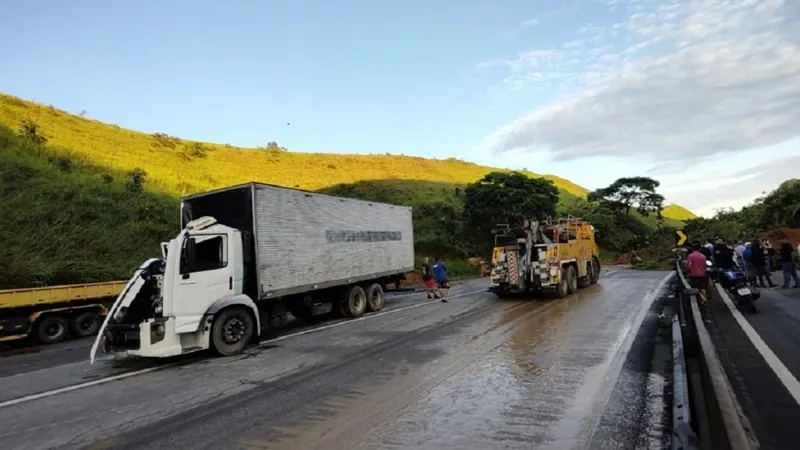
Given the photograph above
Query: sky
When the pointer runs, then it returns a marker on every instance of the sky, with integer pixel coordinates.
(702, 95)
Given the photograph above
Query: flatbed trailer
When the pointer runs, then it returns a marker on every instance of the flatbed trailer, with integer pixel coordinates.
(52, 313)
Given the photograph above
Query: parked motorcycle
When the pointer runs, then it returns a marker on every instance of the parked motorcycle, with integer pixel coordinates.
(734, 281)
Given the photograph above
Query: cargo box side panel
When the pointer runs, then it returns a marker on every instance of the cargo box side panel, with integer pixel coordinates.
(309, 239)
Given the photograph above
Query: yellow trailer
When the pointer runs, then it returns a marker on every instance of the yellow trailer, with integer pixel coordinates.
(50, 314)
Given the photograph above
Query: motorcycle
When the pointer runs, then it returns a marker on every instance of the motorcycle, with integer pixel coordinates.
(734, 281)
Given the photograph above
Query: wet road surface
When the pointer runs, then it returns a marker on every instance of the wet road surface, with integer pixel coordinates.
(475, 373)
(772, 409)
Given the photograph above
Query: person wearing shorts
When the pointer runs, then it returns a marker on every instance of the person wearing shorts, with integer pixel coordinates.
(440, 275)
(427, 279)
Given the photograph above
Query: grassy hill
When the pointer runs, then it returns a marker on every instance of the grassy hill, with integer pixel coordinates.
(95, 200)
(179, 167)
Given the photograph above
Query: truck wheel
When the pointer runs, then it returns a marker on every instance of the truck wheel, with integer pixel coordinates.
(84, 324)
(232, 330)
(354, 302)
(51, 329)
(375, 298)
(586, 280)
(572, 279)
(562, 288)
(594, 275)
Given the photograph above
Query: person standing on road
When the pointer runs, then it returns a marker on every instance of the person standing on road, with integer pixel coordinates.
(440, 274)
(698, 271)
(427, 279)
(789, 261)
(759, 262)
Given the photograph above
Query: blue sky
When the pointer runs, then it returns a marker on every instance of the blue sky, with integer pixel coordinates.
(590, 90)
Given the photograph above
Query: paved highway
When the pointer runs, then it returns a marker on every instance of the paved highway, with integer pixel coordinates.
(761, 356)
(588, 371)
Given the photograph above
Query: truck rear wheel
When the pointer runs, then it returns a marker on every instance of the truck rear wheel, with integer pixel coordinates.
(233, 328)
(51, 329)
(562, 288)
(375, 297)
(353, 302)
(85, 324)
(572, 279)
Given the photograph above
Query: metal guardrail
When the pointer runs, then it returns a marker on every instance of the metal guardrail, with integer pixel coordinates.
(683, 436)
(724, 426)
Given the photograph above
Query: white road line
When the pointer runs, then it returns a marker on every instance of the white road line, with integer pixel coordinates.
(74, 387)
(789, 381)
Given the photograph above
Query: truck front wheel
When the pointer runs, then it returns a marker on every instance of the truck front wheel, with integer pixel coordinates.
(375, 298)
(233, 328)
(51, 329)
(562, 288)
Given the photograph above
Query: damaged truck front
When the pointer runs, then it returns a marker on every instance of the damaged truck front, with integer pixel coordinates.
(252, 253)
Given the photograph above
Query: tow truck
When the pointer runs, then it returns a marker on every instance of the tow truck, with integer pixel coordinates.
(556, 256)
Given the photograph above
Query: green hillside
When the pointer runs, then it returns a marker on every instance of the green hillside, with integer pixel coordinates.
(180, 167)
(86, 201)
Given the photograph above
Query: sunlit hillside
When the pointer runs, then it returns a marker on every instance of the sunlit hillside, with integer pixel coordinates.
(178, 166)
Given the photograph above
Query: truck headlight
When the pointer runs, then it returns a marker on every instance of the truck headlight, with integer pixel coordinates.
(157, 332)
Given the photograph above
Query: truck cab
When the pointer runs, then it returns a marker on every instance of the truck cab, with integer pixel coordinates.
(169, 305)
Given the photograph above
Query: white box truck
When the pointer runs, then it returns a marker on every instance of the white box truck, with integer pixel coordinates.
(253, 252)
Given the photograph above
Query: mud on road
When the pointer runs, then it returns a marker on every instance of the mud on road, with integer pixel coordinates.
(473, 373)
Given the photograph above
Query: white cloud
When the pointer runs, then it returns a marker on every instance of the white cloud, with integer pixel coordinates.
(695, 78)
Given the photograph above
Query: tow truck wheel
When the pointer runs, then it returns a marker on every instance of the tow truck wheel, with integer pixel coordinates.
(51, 329)
(594, 275)
(562, 288)
(354, 302)
(233, 328)
(84, 324)
(572, 279)
(375, 297)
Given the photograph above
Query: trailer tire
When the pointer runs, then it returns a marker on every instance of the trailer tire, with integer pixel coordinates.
(353, 302)
(232, 330)
(562, 288)
(375, 298)
(84, 324)
(572, 279)
(51, 329)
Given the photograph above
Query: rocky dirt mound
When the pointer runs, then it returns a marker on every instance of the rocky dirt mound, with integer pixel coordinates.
(779, 235)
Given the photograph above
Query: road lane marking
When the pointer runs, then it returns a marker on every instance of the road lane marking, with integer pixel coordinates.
(75, 387)
(789, 381)
(99, 381)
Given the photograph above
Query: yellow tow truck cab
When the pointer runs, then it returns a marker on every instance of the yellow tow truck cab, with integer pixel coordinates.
(556, 256)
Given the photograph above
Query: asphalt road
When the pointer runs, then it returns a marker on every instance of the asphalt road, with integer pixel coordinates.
(588, 371)
(762, 361)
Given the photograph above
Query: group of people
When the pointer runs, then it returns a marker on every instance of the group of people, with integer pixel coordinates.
(757, 258)
(435, 279)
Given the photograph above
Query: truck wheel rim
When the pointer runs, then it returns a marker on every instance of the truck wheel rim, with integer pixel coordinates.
(233, 331)
(53, 330)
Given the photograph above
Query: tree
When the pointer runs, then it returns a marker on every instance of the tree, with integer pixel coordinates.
(501, 197)
(628, 193)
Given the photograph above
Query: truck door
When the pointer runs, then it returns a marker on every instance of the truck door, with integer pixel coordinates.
(205, 276)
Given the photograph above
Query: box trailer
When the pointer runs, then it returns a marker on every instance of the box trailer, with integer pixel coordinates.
(250, 253)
